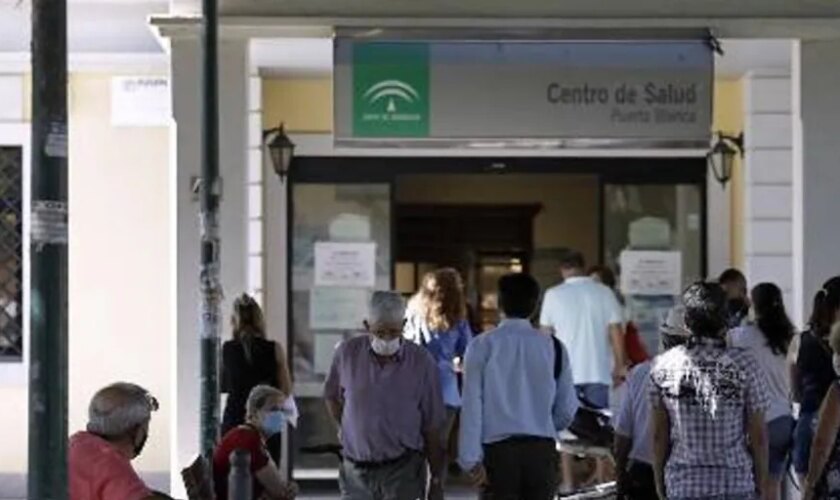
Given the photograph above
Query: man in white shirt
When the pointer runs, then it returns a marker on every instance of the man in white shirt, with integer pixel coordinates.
(587, 317)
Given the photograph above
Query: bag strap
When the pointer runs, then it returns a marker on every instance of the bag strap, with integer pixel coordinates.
(558, 357)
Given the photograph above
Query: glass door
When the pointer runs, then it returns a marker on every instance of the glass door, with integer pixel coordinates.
(341, 252)
(668, 221)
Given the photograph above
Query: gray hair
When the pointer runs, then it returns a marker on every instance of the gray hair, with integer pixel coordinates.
(386, 307)
(259, 398)
(118, 408)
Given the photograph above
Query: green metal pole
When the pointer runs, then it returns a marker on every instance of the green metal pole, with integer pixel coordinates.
(48, 254)
(210, 268)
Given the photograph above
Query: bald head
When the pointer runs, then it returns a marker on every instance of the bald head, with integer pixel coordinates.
(119, 408)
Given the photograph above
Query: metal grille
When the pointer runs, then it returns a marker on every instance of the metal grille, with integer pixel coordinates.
(11, 254)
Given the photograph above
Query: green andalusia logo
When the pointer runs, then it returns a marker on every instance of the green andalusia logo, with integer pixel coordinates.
(390, 90)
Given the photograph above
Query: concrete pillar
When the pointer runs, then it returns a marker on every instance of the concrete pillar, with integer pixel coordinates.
(719, 231)
(276, 268)
(185, 60)
(768, 187)
(816, 172)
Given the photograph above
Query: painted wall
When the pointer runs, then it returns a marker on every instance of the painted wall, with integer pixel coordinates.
(119, 261)
(728, 116)
(119, 273)
(303, 104)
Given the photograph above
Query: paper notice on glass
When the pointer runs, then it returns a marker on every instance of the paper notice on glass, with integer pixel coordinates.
(337, 308)
(651, 273)
(345, 264)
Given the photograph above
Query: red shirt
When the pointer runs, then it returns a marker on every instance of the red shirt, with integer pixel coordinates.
(98, 471)
(246, 438)
(636, 351)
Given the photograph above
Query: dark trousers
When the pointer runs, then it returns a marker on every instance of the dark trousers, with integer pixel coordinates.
(521, 468)
(638, 482)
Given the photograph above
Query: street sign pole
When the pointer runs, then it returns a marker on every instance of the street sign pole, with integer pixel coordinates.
(211, 294)
(48, 256)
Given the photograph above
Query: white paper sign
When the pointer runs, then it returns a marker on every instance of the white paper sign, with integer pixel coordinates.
(651, 273)
(140, 101)
(337, 308)
(351, 265)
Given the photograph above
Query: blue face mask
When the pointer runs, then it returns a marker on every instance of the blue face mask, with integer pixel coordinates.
(273, 422)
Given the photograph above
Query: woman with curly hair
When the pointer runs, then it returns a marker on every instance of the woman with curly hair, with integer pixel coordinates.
(437, 320)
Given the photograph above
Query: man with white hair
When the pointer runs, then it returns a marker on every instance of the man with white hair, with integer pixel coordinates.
(99, 459)
(385, 396)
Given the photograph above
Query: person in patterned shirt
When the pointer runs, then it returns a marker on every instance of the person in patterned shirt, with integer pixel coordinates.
(707, 410)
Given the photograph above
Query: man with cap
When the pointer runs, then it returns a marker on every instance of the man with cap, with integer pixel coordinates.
(633, 453)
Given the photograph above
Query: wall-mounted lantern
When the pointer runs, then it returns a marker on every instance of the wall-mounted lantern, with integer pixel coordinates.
(280, 149)
(721, 157)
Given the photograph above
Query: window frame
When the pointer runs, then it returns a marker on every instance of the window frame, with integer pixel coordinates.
(17, 135)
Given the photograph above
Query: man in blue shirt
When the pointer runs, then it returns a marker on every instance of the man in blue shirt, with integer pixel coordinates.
(516, 398)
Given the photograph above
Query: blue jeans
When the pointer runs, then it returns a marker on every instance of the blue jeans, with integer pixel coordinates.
(597, 395)
(803, 435)
(780, 436)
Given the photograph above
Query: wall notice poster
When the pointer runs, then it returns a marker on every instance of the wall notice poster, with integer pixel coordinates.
(351, 265)
(651, 273)
(140, 101)
(337, 308)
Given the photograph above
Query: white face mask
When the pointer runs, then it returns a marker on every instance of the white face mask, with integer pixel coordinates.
(836, 362)
(384, 347)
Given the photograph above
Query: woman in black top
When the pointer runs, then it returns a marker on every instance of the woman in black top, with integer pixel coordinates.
(250, 360)
(814, 371)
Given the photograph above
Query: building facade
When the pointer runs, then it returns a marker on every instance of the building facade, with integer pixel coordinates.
(134, 219)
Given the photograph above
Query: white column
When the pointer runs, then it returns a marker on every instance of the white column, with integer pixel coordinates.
(256, 209)
(718, 214)
(275, 264)
(186, 105)
(816, 174)
(768, 206)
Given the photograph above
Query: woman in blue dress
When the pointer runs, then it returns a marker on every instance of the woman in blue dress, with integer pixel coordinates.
(437, 320)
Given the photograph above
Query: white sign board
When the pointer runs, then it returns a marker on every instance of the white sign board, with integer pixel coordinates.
(140, 101)
(557, 93)
(337, 308)
(651, 273)
(350, 265)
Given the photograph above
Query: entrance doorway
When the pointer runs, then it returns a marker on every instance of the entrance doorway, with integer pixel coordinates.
(412, 215)
(482, 241)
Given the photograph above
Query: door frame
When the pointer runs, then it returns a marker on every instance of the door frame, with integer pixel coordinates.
(688, 169)
(608, 170)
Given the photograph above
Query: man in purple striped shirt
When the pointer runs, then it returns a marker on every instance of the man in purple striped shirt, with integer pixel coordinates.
(385, 396)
